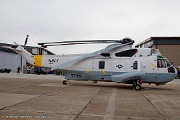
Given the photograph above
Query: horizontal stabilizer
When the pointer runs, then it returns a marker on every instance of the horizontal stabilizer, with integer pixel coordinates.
(129, 76)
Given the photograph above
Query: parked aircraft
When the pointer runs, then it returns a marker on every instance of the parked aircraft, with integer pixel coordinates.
(118, 62)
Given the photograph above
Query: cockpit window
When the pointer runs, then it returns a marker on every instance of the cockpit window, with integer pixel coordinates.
(168, 63)
(127, 53)
(161, 63)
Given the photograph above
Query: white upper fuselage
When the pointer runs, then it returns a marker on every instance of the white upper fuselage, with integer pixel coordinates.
(143, 55)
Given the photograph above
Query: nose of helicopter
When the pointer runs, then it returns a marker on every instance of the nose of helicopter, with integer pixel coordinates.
(173, 72)
(172, 69)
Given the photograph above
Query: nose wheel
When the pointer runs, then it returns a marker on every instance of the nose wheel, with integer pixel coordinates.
(138, 87)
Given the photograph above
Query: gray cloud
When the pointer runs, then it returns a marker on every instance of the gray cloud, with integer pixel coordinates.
(59, 20)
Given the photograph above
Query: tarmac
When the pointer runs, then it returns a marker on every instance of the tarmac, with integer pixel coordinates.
(44, 97)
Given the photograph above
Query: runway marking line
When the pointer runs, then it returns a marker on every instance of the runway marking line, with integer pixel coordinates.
(111, 106)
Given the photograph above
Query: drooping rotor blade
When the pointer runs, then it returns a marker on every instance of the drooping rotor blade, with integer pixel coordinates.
(88, 56)
(81, 41)
(8, 45)
(123, 41)
(77, 42)
(60, 44)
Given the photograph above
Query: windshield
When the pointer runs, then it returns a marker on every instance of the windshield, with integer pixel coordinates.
(168, 63)
(163, 63)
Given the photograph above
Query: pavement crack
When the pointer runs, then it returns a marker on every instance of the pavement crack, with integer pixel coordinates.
(153, 105)
(77, 115)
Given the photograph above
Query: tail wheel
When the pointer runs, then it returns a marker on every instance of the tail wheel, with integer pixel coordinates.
(64, 82)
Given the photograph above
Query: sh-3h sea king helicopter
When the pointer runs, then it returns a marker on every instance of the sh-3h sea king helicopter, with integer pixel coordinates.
(118, 62)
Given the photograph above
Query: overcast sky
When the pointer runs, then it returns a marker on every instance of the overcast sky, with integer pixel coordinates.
(60, 20)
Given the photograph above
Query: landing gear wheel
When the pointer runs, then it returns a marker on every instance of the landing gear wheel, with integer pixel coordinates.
(64, 82)
(138, 87)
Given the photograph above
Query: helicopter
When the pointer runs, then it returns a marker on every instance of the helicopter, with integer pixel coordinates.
(119, 62)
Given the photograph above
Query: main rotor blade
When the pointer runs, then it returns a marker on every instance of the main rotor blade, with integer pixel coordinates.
(8, 45)
(123, 41)
(77, 42)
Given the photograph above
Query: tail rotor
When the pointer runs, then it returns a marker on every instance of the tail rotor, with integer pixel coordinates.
(19, 47)
(26, 40)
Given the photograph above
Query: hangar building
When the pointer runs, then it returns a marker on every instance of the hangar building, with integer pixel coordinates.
(168, 46)
(10, 60)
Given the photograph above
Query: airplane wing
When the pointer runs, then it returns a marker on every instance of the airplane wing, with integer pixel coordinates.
(129, 76)
(87, 56)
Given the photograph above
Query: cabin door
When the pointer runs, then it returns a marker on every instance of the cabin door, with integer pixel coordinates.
(101, 69)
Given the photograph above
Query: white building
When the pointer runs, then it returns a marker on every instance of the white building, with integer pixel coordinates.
(10, 60)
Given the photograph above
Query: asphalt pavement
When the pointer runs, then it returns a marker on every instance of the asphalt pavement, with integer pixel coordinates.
(44, 97)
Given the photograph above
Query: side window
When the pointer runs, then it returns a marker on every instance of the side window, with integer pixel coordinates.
(127, 53)
(135, 65)
(101, 64)
(161, 63)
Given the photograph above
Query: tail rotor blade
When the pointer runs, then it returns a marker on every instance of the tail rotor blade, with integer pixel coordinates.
(26, 40)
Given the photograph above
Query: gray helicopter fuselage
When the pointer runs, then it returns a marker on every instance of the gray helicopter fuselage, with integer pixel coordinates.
(117, 65)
